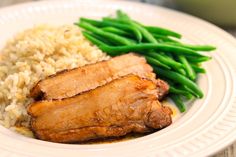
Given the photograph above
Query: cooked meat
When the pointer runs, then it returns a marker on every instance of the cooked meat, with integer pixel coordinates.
(162, 89)
(125, 105)
(71, 82)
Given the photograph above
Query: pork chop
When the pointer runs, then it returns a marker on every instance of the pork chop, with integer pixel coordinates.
(124, 105)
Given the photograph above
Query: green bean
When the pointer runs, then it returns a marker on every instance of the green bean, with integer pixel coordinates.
(165, 60)
(164, 38)
(124, 27)
(121, 15)
(189, 70)
(189, 96)
(93, 39)
(183, 87)
(170, 83)
(148, 36)
(156, 62)
(178, 91)
(126, 19)
(176, 68)
(185, 93)
(110, 19)
(111, 36)
(194, 47)
(174, 87)
(194, 59)
(147, 46)
(104, 40)
(176, 77)
(198, 69)
(199, 47)
(91, 21)
(180, 70)
(169, 55)
(178, 102)
(116, 31)
(162, 31)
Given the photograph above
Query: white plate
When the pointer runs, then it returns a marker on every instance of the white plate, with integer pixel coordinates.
(208, 126)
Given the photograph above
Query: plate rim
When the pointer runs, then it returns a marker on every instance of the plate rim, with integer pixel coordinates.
(217, 29)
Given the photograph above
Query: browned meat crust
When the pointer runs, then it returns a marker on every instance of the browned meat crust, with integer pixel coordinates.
(128, 104)
(162, 89)
(71, 82)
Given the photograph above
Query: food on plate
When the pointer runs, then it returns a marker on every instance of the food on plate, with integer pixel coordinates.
(96, 79)
(161, 48)
(71, 82)
(124, 105)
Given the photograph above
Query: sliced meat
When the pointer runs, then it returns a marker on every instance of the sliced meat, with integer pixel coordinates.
(125, 105)
(71, 82)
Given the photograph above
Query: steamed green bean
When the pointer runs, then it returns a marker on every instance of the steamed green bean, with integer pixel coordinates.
(194, 47)
(124, 27)
(189, 70)
(156, 62)
(176, 77)
(168, 61)
(179, 103)
(198, 69)
(116, 31)
(174, 61)
(148, 46)
(114, 37)
(162, 31)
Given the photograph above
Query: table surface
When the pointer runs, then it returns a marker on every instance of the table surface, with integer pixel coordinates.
(230, 151)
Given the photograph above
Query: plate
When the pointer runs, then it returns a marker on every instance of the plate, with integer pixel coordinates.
(209, 124)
